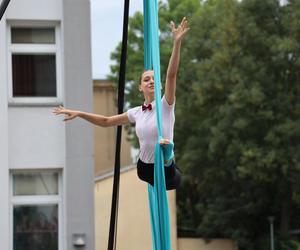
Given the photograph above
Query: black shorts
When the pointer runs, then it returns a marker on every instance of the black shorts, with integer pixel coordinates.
(145, 172)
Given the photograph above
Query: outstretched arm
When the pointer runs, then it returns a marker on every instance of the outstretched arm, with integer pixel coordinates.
(178, 34)
(99, 120)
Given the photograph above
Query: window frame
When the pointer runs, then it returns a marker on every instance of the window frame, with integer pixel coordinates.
(32, 200)
(35, 49)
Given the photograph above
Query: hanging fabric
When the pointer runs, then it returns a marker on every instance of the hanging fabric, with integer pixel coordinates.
(3, 7)
(121, 86)
(158, 202)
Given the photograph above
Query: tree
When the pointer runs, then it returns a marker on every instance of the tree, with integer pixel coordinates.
(237, 115)
(244, 143)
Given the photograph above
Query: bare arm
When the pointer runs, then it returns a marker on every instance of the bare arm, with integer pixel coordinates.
(178, 34)
(105, 121)
(99, 120)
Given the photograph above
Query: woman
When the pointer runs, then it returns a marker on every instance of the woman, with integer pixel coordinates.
(144, 116)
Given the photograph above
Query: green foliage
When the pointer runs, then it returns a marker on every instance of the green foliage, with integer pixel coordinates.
(288, 245)
(237, 116)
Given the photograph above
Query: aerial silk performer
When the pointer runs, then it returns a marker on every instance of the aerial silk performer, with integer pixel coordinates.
(154, 123)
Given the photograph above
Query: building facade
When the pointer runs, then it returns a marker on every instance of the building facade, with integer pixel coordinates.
(46, 171)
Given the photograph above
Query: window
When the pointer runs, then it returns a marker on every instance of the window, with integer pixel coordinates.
(34, 64)
(36, 210)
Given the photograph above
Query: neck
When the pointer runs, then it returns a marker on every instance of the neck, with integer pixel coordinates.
(149, 99)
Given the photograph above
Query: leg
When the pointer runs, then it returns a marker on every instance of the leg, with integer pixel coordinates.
(172, 176)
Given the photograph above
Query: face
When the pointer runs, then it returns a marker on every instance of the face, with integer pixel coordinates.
(147, 82)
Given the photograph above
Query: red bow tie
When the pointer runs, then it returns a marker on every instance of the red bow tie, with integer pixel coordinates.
(146, 106)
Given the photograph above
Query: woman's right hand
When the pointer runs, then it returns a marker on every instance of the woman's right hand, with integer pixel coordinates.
(69, 114)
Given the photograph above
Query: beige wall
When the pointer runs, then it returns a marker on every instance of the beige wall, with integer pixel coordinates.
(134, 229)
(200, 244)
(105, 138)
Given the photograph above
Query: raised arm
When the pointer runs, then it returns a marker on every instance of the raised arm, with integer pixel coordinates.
(99, 120)
(178, 34)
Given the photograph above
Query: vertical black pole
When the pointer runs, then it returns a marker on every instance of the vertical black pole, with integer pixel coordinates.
(121, 88)
(3, 7)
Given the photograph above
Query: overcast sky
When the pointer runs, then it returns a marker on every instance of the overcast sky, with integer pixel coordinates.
(107, 21)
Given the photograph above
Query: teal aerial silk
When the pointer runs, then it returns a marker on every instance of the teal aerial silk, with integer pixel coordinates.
(158, 202)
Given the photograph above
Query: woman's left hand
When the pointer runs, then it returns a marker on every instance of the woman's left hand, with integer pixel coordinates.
(180, 31)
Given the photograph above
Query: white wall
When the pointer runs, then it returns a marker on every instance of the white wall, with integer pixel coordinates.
(79, 168)
(4, 220)
(29, 136)
(36, 138)
(41, 10)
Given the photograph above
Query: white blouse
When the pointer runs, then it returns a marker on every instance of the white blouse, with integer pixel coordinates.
(146, 130)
